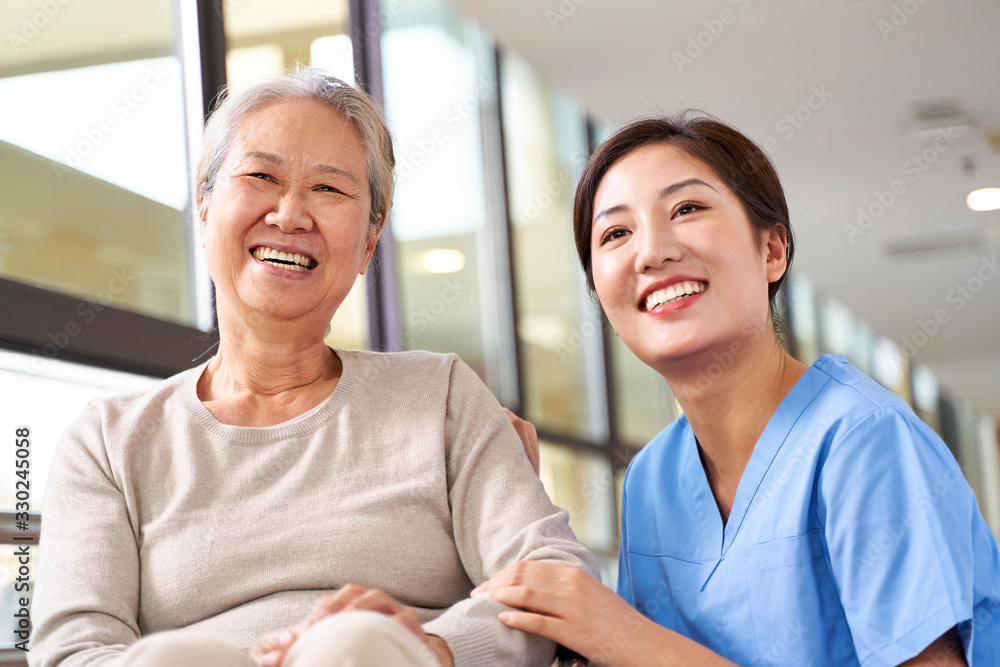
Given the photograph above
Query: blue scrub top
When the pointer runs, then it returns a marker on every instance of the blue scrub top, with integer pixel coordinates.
(853, 538)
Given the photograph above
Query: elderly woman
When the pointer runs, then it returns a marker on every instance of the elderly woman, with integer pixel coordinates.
(233, 497)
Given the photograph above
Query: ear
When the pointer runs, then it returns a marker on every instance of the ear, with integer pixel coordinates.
(370, 243)
(202, 215)
(777, 252)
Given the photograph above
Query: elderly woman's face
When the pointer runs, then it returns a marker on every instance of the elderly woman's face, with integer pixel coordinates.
(286, 226)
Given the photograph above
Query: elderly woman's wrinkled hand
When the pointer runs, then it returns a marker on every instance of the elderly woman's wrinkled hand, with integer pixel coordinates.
(272, 647)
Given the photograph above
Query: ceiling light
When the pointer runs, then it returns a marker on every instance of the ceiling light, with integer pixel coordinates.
(442, 260)
(936, 115)
(984, 199)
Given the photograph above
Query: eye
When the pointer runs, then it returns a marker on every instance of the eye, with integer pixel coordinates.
(686, 208)
(262, 176)
(328, 188)
(613, 234)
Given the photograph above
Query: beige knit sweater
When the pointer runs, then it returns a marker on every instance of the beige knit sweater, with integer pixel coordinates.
(408, 478)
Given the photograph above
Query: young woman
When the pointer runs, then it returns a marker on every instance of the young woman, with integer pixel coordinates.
(794, 515)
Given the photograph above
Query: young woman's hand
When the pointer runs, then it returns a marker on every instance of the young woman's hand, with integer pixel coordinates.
(528, 435)
(569, 607)
(572, 608)
(272, 647)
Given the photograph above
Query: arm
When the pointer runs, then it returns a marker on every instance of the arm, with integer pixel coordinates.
(898, 520)
(500, 515)
(86, 598)
(946, 651)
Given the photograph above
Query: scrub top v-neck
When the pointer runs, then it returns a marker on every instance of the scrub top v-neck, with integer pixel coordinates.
(831, 554)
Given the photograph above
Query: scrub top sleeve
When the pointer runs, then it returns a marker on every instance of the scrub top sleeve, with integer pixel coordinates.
(896, 513)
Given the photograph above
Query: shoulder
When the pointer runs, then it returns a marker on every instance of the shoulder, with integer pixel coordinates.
(853, 390)
(134, 407)
(414, 376)
(392, 364)
(109, 426)
(870, 432)
(852, 407)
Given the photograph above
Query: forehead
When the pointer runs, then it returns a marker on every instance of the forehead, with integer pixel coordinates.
(300, 130)
(654, 166)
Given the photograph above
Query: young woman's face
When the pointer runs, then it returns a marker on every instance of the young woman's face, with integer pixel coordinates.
(675, 261)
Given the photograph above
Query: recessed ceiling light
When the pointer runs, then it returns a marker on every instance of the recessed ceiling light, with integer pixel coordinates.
(442, 260)
(935, 115)
(984, 199)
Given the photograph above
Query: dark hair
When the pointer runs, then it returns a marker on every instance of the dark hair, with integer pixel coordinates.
(740, 163)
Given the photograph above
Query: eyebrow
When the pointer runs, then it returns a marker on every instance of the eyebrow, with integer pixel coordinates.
(273, 158)
(665, 192)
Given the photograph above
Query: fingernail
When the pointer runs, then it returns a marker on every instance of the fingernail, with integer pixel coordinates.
(504, 616)
(475, 592)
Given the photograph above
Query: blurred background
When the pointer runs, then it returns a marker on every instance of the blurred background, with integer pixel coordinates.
(882, 118)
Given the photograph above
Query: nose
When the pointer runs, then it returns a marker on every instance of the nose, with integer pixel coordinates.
(290, 214)
(656, 244)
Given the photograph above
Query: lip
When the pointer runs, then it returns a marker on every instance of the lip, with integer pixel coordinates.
(664, 284)
(280, 247)
(271, 269)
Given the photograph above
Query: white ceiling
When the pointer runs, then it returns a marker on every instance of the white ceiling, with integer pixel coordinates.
(764, 61)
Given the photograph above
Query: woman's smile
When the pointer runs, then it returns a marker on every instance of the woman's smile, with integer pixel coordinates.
(288, 261)
(668, 296)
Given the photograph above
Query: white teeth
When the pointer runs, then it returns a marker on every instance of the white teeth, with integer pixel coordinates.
(674, 293)
(284, 260)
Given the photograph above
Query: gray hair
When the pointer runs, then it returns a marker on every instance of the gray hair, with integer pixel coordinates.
(306, 83)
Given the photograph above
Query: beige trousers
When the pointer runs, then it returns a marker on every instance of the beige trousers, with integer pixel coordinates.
(349, 639)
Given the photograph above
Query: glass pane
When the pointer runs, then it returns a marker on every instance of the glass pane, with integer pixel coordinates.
(266, 39)
(93, 159)
(450, 270)
(891, 368)
(46, 395)
(601, 133)
(583, 485)
(926, 398)
(558, 326)
(863, 347)
(803, 318)
(643, 401)
(838, 328)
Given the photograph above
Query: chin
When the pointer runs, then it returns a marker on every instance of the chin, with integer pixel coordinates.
(674, 353)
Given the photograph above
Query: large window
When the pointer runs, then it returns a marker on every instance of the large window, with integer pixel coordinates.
(447, 227)
(558, 325)
(93, 160)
